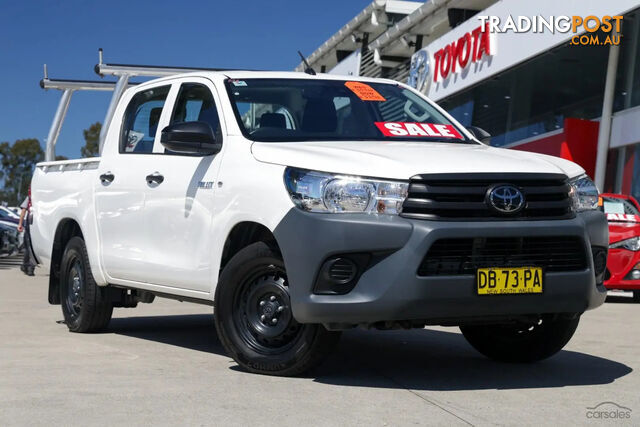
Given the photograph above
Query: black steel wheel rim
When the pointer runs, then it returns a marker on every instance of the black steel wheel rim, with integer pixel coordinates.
(75, 288)
(262, 312)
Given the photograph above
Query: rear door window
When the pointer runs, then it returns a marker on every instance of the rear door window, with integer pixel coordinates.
(141, 120)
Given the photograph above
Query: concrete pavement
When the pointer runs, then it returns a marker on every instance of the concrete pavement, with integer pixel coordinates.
(162, 364)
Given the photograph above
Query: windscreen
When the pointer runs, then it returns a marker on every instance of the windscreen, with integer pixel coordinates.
(308, 109)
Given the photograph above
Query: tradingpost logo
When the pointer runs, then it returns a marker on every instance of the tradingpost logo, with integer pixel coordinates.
(598, 30)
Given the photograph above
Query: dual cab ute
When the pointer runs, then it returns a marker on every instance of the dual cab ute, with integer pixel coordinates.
(301, 205)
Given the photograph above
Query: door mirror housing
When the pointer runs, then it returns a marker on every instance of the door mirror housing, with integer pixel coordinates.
(196, 138)
(480, 134)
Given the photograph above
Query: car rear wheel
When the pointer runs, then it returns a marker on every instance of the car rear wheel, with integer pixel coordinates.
(85, 305)
(522, 342)
(254, 320)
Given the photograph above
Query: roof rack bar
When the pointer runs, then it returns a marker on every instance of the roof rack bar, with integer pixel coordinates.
(67, 87)
(62, 84)
(56, 125)
(132, 70)
(118, 90)
(146, 70)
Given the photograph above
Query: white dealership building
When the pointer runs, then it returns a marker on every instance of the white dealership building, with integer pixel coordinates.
(556, 77)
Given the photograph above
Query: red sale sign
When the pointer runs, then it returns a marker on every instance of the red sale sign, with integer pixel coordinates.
(418, 130)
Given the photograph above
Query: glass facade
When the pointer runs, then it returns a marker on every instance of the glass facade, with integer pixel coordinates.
(535, 97)
(628, 75)
(627, 95)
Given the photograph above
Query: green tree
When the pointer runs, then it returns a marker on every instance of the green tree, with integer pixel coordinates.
(92, 141)
(18, 160)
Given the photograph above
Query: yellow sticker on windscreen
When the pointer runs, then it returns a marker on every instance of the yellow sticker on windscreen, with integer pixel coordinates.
(364, 91)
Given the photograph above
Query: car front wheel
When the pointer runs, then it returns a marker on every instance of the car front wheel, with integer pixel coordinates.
(254, 319)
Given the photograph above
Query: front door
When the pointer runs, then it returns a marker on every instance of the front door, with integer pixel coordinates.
(179, 206)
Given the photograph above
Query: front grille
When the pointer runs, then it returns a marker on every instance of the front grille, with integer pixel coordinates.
(462, 196)
(463, 256)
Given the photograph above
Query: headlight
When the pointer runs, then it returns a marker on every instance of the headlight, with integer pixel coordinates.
(584, 194)
(632, 244)
(322, 192)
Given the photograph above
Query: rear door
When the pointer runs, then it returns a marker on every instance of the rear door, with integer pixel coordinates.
(121, 184)
(179, 210)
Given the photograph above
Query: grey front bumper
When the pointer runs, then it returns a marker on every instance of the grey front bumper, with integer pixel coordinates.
(391, 290)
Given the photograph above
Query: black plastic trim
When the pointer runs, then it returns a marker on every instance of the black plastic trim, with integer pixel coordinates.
(463, 197)
(180, 298)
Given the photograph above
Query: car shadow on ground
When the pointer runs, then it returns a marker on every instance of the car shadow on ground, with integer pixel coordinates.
(423, 359)
(192, 331)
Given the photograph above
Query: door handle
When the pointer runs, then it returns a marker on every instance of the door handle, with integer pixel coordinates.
(107, 177)
(155, 178)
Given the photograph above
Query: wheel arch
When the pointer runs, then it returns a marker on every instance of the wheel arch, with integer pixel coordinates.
(66, 229)
(242, 235)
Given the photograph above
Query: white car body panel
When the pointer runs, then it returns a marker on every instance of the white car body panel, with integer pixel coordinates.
(402, 160)
(60, 191)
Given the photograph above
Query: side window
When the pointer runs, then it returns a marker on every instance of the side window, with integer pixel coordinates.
(195, 104)
(141, 120)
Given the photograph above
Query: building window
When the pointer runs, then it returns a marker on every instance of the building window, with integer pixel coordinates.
(628, 75)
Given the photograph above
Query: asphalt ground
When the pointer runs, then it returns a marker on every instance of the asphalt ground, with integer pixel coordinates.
(162, 364)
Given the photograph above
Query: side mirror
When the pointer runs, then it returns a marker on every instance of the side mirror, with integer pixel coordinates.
(480, 134)
(190, 138)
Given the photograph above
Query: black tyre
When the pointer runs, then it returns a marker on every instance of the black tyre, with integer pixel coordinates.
(636, 296)
(522, 342)
(254, 320)
(85, 305)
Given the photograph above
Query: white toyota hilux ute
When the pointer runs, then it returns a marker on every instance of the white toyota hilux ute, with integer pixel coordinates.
(302, 205)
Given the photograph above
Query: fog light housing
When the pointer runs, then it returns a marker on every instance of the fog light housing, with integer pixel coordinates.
(340, 273)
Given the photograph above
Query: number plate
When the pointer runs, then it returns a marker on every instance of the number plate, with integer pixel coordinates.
(515, 280)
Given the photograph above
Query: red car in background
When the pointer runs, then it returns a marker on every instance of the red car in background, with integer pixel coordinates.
(623, 261)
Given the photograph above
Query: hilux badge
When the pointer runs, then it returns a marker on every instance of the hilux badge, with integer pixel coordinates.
(206, 185)
(505, 199)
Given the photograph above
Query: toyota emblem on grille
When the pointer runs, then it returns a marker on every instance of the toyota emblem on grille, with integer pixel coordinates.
(505, 199)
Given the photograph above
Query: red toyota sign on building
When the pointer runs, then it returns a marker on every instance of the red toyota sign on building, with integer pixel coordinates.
(469, 48)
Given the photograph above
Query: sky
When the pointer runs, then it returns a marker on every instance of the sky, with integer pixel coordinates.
(66, 35)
